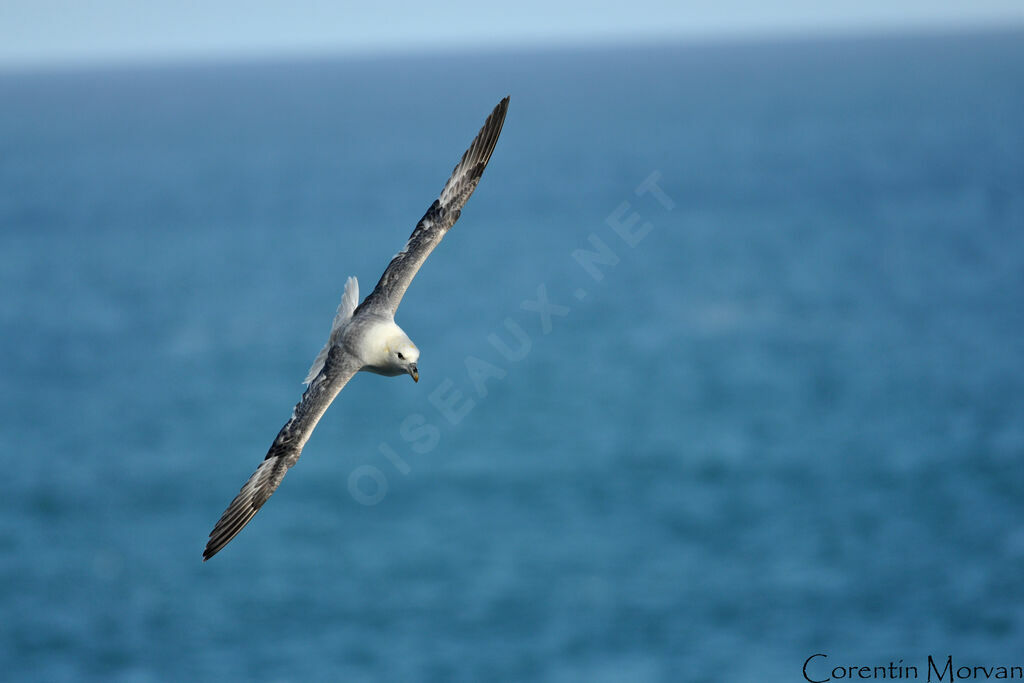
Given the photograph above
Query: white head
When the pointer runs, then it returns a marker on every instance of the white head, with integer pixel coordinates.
(389, 351)
(404, 354)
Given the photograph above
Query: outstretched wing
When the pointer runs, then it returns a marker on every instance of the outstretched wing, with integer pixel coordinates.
(338, 369)
(440, 217)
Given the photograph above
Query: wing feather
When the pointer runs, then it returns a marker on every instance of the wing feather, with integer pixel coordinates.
(439, 218)
(338, 369)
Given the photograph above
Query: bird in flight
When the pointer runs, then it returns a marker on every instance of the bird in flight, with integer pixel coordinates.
(363, 337)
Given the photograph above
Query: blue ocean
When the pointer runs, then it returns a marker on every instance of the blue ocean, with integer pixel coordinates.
(722, 367)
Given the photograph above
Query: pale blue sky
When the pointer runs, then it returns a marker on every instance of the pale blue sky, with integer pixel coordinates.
(71, 31)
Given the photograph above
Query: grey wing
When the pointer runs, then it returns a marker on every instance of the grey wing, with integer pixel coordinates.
(440, 217)
(284, 452)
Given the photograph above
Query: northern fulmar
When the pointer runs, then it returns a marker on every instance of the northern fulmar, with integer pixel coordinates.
(363, 337)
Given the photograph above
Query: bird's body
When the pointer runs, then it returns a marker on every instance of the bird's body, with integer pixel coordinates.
(363, 337)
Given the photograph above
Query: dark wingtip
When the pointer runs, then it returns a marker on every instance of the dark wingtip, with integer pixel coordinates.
(213, 548)
(473, 162)
(488, 135)
(499, 112)
(209, 552)
(487, 138)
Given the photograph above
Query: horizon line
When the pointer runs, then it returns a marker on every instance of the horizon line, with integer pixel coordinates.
(277, 55)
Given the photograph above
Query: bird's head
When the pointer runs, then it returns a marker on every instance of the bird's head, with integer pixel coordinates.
(403, 355)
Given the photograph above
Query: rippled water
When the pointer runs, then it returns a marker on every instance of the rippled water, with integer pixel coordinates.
(788, 420)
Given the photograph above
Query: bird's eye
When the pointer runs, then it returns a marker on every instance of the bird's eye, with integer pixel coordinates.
(400, 356)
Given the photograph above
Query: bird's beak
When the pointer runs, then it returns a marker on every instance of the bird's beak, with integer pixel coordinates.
(414, 372)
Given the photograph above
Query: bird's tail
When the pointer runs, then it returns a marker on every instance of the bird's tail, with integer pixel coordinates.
(349, 301)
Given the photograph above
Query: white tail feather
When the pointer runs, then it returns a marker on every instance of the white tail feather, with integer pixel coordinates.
(349, 301)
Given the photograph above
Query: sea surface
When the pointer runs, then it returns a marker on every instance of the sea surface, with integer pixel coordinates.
(722, 367)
